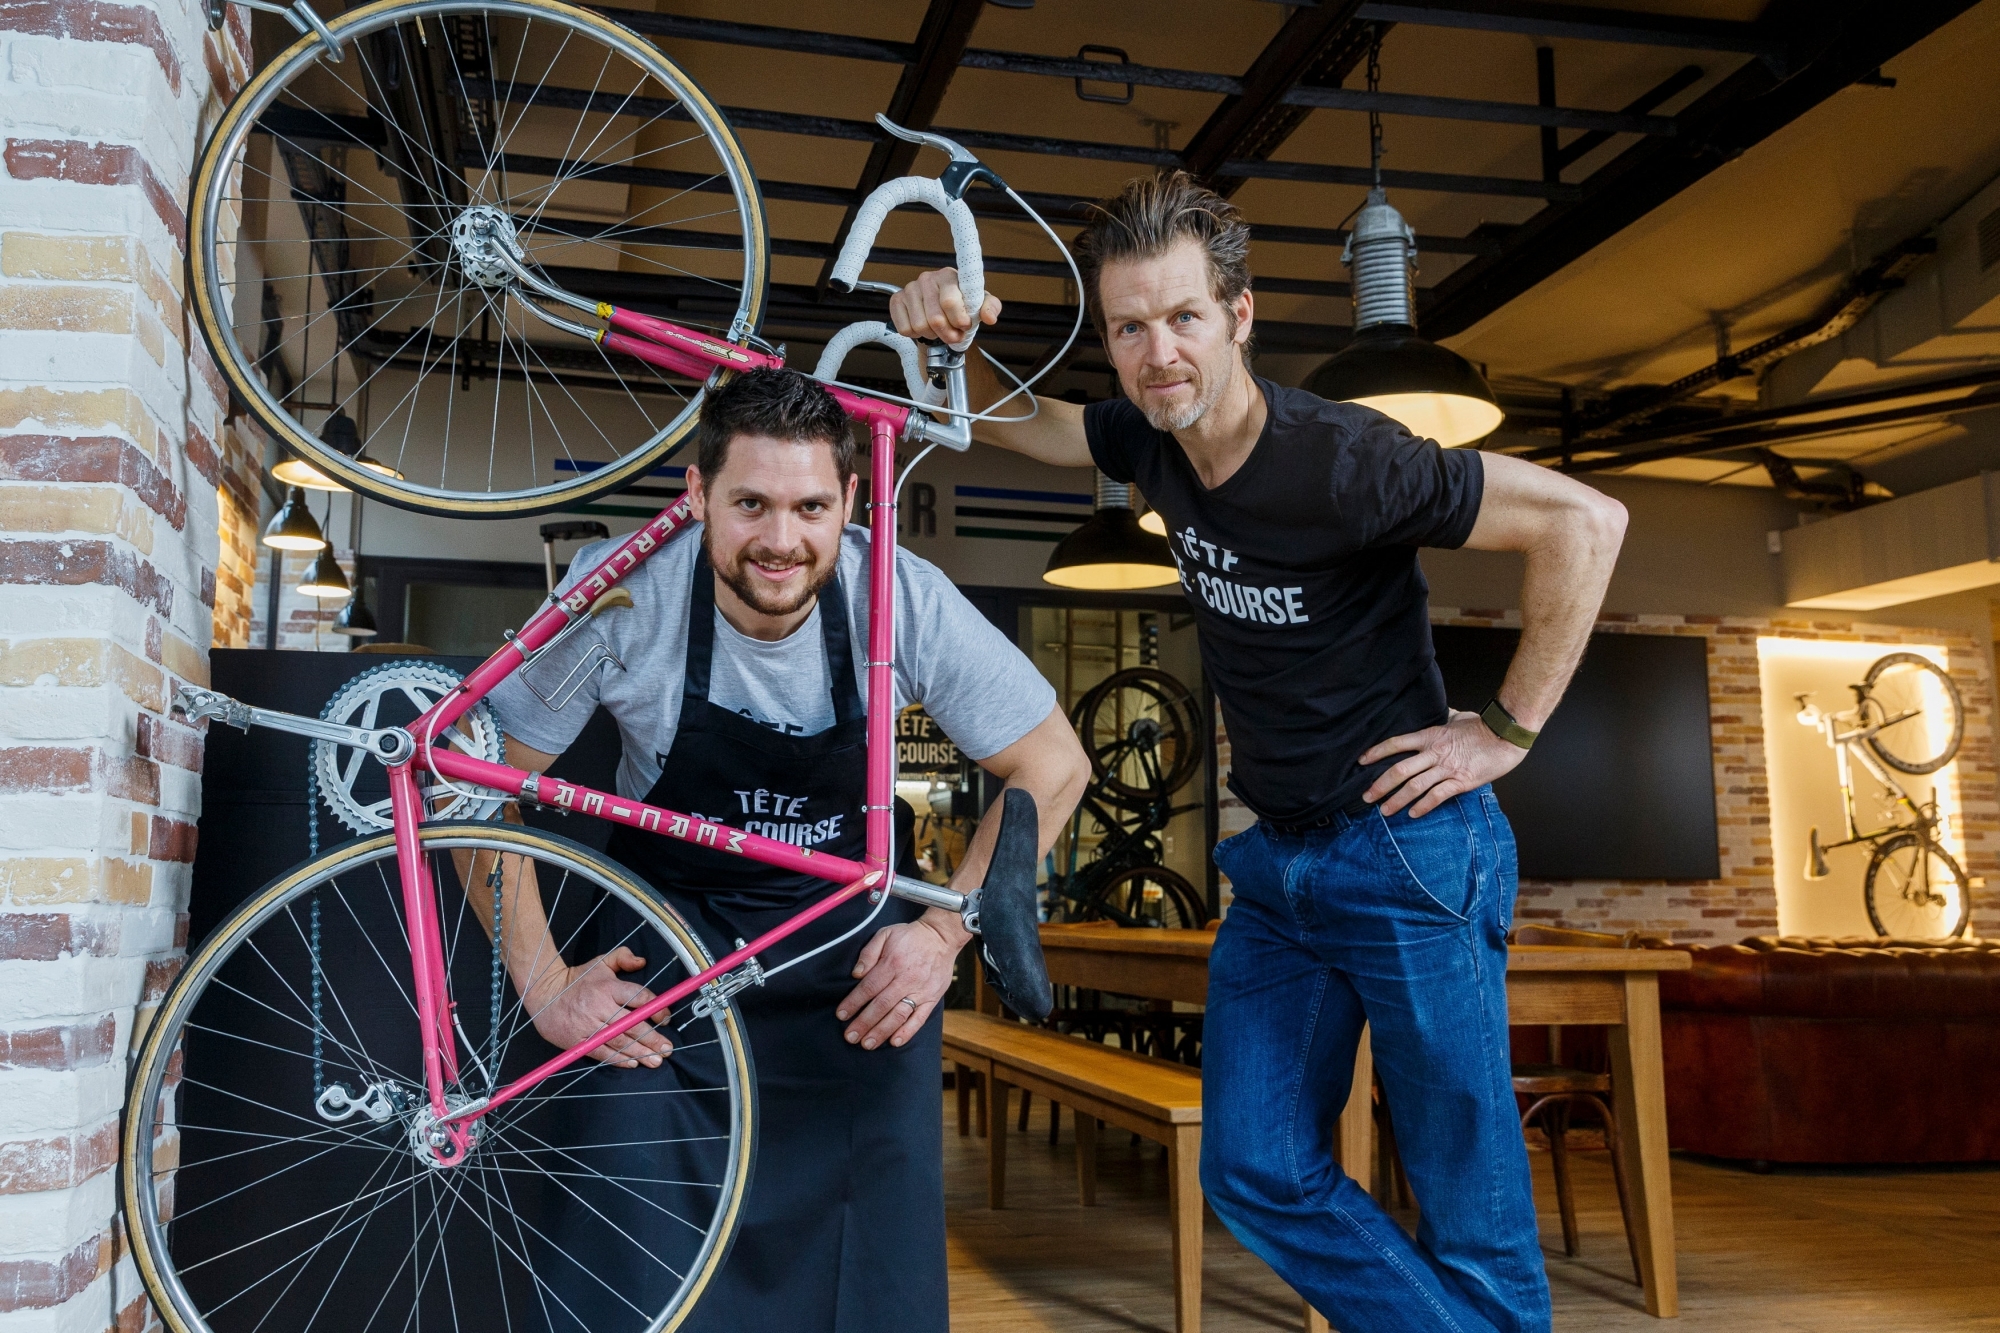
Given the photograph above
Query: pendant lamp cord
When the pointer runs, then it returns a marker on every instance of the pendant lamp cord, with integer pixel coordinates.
(1374, 115)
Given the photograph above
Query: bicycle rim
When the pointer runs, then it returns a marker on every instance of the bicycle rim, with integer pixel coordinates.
(247, 1208)
(1923, 717)
(327, 279)
(1916, 891)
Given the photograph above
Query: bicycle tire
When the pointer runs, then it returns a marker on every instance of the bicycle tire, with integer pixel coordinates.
(182, 1146)
(1121, 897)
(1110, 747)
(456, 340)
(1896, 915)
(1930, 672)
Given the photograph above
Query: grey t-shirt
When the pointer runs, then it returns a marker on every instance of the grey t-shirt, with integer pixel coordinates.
(949, 658)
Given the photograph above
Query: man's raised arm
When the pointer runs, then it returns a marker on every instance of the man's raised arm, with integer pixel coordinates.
(932, 307)
(1568, 536)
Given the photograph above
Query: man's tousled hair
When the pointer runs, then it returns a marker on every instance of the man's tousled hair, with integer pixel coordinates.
(1152, 214)
(782, 404)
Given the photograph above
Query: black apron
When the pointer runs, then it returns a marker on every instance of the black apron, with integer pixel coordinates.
(843, 1228)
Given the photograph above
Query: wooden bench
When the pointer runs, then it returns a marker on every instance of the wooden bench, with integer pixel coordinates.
(1156, 1099)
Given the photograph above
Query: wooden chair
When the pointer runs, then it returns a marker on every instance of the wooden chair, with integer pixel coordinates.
(1554, 1090)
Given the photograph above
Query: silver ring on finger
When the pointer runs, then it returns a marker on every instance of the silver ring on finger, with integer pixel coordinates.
(909, 1000)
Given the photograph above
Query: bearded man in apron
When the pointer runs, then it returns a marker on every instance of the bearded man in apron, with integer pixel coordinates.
(739, 699)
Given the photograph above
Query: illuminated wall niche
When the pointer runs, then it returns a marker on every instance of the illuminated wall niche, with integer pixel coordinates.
(1805, 791)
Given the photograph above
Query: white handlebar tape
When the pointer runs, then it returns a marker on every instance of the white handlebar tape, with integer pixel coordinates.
(875, 331)
(916, 190)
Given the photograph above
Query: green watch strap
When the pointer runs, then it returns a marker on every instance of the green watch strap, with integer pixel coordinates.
(1502, 724)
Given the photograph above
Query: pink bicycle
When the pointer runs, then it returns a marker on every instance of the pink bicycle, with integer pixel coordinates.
(341, 1114)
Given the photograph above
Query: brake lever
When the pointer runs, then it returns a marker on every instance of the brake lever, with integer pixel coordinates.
(964, 168)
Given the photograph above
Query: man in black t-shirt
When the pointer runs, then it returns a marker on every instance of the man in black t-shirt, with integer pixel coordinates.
(1378, 883)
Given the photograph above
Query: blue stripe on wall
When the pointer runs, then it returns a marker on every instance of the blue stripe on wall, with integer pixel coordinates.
(1006, 493)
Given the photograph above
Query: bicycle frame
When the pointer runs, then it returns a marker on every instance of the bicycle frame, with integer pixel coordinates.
(1853, 743)
(408, 752)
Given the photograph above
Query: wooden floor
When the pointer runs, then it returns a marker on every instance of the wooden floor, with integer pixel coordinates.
(1798, 1250)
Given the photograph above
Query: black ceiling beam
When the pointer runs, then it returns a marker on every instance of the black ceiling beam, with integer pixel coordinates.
(1579, 22)
(1764, 436)
(1460, 108)
(1317, 47)
(1682, 79)
(940, 44)
(1057, 208)
(1034, 321)
(833, 127)
(1834, 42)
(679, 238)
(805, 42)
(1630, 441)
(1514, 187)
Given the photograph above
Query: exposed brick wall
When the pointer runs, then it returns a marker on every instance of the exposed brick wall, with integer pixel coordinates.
(1743, 899)
(237, 529)
(110, 473)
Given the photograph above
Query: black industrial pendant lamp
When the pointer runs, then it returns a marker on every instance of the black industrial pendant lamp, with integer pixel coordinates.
(292, 528)
(355, 620)
(1432, 390)
(324, 578)
(1111, 550)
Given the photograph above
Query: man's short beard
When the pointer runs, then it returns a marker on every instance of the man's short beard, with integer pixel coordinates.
(1170, 418)
(759, 595)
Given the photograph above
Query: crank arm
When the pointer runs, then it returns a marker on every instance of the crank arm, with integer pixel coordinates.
(391, 745)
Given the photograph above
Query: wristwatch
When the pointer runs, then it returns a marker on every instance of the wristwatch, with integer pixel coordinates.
(1502, 724)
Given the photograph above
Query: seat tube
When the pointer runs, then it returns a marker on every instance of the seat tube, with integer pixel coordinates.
(427, 970)
(881, 784)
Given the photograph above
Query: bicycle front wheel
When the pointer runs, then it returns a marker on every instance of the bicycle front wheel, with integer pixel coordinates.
(602, 1199)
(342, 222)
(1916, 891)
(1917, 707)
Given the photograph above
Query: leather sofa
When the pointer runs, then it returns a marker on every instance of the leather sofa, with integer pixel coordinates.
(1796, 1049)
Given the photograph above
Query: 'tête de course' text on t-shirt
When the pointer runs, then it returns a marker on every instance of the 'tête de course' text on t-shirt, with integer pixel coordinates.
(1302, 568)
(1266, 606)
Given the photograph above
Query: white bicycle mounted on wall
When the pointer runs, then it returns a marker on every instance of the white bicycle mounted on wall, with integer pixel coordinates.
(1907, 717)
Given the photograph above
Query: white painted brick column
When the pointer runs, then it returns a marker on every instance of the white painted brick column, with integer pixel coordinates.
(109, 474)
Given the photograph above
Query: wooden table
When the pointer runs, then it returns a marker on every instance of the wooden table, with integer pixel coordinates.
(1546, 985)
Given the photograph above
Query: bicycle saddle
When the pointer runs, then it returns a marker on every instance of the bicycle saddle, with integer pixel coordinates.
(1009, 941)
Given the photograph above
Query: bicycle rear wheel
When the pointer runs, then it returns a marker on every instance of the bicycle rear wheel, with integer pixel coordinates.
(1918, 708)
(249, 1206)
(1149, 895)
(1916, 891)
(342, 285)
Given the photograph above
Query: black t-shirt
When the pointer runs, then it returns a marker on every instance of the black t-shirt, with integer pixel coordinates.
(1302, 568)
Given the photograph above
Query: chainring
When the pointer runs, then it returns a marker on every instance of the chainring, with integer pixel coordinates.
(406, 689)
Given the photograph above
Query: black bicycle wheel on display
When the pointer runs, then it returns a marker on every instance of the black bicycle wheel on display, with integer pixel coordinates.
(1916, 891)
(1142, 730)
(1918, 709)
(1128, 898)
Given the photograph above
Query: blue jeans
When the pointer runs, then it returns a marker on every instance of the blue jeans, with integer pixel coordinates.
(1400, 923)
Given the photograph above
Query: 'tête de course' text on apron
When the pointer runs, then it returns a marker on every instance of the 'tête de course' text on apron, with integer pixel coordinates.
(788, 827)
(1265, 606)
